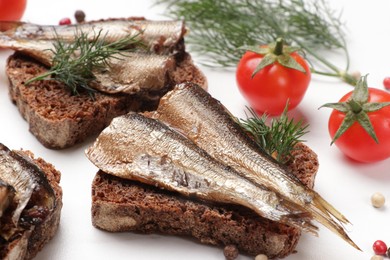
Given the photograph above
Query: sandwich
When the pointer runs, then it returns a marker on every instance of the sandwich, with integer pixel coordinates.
(188, 168)
(122, 205)
(134, 78)
(30, 203)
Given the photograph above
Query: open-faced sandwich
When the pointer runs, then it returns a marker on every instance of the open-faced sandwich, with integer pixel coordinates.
(188, 168)
(92, 72)
(30, 203)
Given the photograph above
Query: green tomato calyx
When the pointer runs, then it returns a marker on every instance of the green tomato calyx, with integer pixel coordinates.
(355, 106)
(276, 52)
(356, 109)
(279, 44)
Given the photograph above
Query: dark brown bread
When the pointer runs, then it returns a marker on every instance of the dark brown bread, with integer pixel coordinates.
(28, 244)
(59, 119)
(122, 205)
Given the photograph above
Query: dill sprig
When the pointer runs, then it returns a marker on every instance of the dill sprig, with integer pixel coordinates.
(73, 63)
(219, 28)
(278, 138)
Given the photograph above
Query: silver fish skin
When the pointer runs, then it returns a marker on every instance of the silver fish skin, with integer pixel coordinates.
(139, 148)
(19, 172)
(194, 113)
(134, 72)
(127, 72)
(7, 194)
(40, 50)
(161, 37)
(14, 175)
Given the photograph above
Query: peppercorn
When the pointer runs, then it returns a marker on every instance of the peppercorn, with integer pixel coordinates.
(261, 257)
(80, 16)
(230, 252)
(376, 257)
(379, 247)
(65, 21)
(386, 83)
(377, 200)
(388, 252)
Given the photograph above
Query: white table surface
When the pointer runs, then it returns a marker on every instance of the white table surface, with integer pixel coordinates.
(346, 184)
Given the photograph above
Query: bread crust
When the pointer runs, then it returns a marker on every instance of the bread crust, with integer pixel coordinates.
(121, 205)
(31, 241)
(59, 119)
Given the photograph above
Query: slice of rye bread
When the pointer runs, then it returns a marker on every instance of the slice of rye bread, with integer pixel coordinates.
(27, 244)
(122, 205)
(59, 119)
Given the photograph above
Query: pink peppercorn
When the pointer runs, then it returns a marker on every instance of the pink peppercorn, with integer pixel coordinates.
(386, 83)
(65, 21)
(379, 247)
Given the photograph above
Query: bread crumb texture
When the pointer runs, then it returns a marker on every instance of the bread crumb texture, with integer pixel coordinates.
(60, 119)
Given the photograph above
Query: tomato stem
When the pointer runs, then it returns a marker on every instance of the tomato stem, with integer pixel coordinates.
(355, 106)
(348, 78)
(344, 75)
(279, 47)
(324, 73)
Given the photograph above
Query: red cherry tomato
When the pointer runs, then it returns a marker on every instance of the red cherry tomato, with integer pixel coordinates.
(12, 10)
(356, 142)
(270, 88)
(379, 247)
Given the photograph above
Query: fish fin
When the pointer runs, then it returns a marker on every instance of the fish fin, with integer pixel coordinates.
(326, 214)
(327, 207)
(336, 228)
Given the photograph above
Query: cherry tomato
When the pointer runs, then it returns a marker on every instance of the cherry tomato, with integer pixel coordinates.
(356, 142)
(12, 10)
(270, 88)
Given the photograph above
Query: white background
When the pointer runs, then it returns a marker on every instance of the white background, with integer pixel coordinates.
(346, 184)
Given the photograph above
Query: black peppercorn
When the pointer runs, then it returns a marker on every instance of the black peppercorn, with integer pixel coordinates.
(80, 16)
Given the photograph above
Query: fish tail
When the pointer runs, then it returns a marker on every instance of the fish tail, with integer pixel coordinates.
(325, 206)
(288, 213)
(297, 216)
(326, 214)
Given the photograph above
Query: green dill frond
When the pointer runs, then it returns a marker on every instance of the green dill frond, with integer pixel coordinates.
(278, 138)
(74, 62)
(219, 28)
